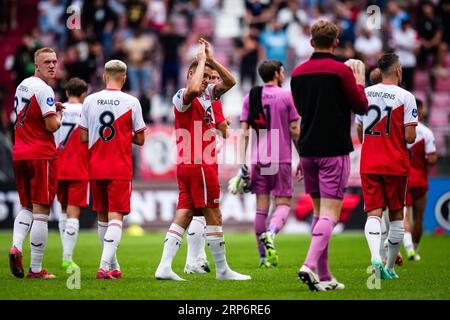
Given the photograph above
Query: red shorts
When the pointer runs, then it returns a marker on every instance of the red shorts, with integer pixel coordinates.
(73, 192)
(199, 187)
(381, 191)
(111, 195)
(415, 193)
(36, 181)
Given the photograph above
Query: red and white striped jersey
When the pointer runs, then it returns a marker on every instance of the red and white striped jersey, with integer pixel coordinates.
(111, 116)
(34, 100)
(423, 146)
(195, 126)
(384, 149)
(73, 156)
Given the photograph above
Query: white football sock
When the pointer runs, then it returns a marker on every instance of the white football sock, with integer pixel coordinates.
(22, 224)
(407, 242)
(172, 243)
(70, 238)
(101, 228)
(384, 235)
(38, 241)
(372, 230)
(62, 226)
(111, 242)
(195, 238)
(396, 235)
(216, 243)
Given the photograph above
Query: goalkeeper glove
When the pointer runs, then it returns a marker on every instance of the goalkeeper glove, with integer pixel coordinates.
(241, 182)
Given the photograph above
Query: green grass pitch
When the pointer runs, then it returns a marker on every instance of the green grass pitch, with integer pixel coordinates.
(139, 257)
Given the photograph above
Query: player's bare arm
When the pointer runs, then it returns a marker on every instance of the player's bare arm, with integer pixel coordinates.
(410, 134)
(431, 159)
(139, 138)
(359, 130)
(228, 81)
(84, 136)
(294, 127)
(194, 84)
(243, 141)
(53, 122)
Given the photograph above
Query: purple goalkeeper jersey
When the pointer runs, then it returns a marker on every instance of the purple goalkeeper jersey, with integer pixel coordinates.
(274, 144)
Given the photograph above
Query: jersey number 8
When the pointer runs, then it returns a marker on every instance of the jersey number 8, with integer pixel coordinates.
(107, 130)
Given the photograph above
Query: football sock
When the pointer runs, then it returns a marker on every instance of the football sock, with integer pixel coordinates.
(260, 227)
(195, 238)
(384, 235)
(62, 225)
(172, 243)
(22, 224)
(38, 241)
(319, 240)
(110, 243)
(216, 243)
(70, 237)
(395, 237)
(101, 228)
(314, 220)
(407, 242)
(279, 218)
(372, 231)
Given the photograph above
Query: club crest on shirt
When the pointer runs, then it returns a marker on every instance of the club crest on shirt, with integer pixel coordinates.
(50, 101)
(208, 117)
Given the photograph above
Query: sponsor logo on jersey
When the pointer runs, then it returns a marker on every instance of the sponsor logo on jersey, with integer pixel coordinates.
(50, 101)
(179, 93)
(414, 113)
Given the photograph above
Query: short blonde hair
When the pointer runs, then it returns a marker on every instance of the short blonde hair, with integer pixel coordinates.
(115, 68)
(324, 33)
(42, 50)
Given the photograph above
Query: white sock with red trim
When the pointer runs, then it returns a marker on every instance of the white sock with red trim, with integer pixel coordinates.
(172, 243)
(38, 241)
(216, 243)
(70, 238)
(384, 235)
(101, 228)
(22, 224)
(195, 238)
(111, 242)
(372, 230)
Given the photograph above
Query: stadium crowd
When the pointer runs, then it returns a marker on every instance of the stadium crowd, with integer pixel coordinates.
(158, 39)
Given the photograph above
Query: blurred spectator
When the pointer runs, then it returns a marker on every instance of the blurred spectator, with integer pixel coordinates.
(156, 14)
(405, 43)
(430, 31)
(23, 66)
(258, 13)
(395, 15)
(170, 43)
(2, 110)
(8, 15)
(247, 52)
(50, 19)
(99, 21)
(136, 10)
(274, 43)
(301, 45)
(444, 8)
(370, 46)
(139, 49)
(345, 24)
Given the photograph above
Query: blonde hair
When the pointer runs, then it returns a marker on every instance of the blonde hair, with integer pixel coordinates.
(42, 50)
(324, 33)
(115, 68)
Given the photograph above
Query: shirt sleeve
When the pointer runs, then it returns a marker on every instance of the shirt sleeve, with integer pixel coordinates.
(178, 102)
(359, 119)
(218, 111)
(410, 111)
(430, 145)
(84, 114)
(46, 100)
(293, 114)
(210, 92)
(245, 109)
(138, 119)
